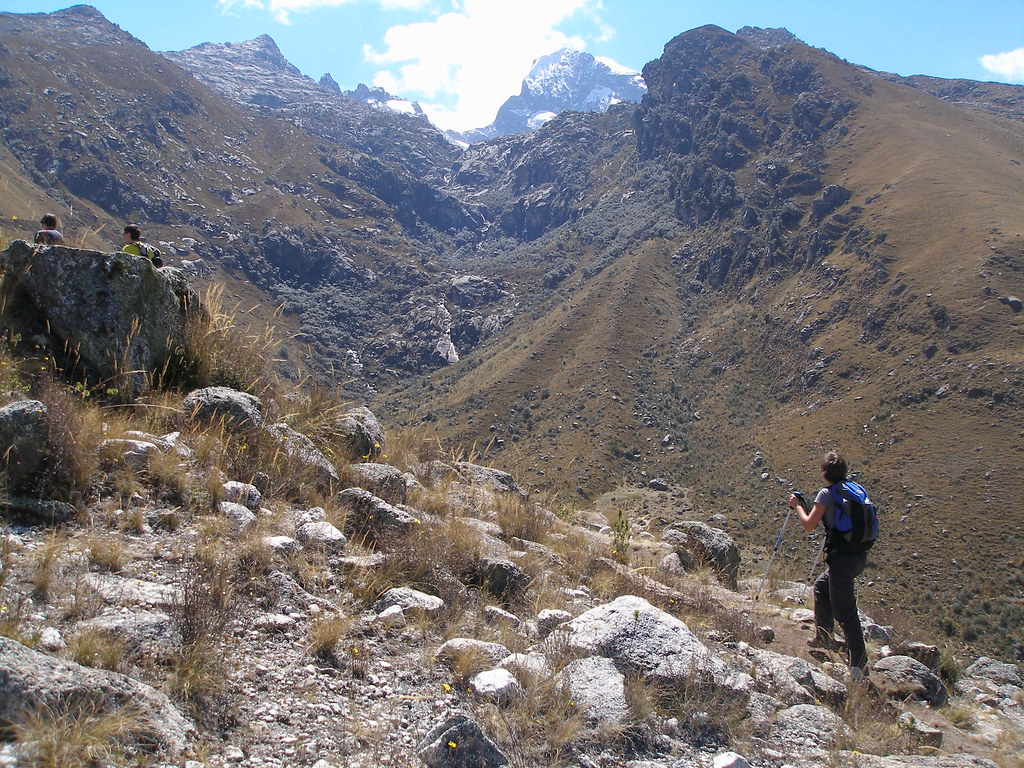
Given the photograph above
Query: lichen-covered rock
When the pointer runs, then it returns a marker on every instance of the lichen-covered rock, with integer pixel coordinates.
(236, 411)
(698, 545)
(598, 689)
(24, 429)
(30, 681)
(361, 432)
(123, 318)
(459, 743)
(382, 480)
(493, 480)
(370, 517)
(645, 641)
(902, 677)
(299, 447)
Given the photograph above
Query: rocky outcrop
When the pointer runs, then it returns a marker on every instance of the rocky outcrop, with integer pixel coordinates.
(114, 313)
(34, 682)
(699, 545)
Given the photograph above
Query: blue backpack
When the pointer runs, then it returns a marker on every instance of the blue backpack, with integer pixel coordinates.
(855, 526)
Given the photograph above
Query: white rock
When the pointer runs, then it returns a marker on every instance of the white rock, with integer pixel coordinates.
(51, 640)
(321, 535)
(452, 650)
(729, 760)
(598, 689)
(496, 685)
(410, 600)
(242, 493)
(283, 545)
(392, 616)
(241, 517)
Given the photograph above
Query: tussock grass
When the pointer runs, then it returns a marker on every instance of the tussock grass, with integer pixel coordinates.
(44, 565)
(107, 551)
(92, 647)
(76, 734)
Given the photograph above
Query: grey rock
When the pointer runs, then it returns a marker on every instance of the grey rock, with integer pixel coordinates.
(236, 411)
(493, 480)
(451, 651)
(123, 591)
(700, 545)
(382, 480)
(51, 640)
(371, 517)
(792, 680)
(1013, 303)
(24, 430)
(645, 641)
(299, 447)
(806, 728)
(472, 749)
(998, 672)
(141, 632)
(496, 685)
(136, 454)
(361, 432)
(501, 577)
(124, 318)
(282, 545)
(321, 535)
(241, 518)
(29, 679)
(527, 667)
(902, 677)
(410, 601)
(550, 618)
(499, 616)
(598, 689)
(729, 760)
(657, 484)
(246, 494)
(39, 511)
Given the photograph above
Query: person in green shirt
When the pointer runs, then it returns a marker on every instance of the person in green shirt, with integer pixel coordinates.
(132, 239)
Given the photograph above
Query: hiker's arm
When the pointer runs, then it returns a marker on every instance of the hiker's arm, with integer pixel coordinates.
(809, 520)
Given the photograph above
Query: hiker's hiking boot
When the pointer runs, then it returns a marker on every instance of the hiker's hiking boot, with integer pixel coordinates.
(823, 641)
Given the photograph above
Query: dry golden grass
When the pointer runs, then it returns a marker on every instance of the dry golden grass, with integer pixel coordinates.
(44, 566)
(96, 648)
(106, 551)
(76, 735)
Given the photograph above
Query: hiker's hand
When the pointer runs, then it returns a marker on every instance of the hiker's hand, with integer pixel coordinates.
(793, 501)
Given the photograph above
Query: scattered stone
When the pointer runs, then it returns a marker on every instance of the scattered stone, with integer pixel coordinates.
(242, 493)
(50, 640)
(807, 729)
(997, 672)
(410, 601)
(493, 480)
(459, 743)
(496, 685)
(729, 760)
(699, 545)
(312, 460)
(236, 411)
(361, 432)
(901, 677)
(275, 622)
(495, 615)
(657, 484)
(925, 735)
(598, 689)
(321, 535)
(123, 591)
(392, 616)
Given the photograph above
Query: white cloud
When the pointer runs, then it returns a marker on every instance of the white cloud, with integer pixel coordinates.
(1010, 64)
(464, 63)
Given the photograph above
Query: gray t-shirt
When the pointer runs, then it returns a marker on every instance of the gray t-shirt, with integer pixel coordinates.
(825, 497)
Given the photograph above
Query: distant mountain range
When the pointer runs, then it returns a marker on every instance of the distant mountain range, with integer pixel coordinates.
(773, 252)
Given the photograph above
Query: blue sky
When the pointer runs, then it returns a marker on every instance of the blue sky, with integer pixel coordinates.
(462, 58)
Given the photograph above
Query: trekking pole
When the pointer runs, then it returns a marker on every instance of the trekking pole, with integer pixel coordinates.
(775, 549)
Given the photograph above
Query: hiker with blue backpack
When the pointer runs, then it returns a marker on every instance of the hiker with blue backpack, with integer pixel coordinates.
(851, 526)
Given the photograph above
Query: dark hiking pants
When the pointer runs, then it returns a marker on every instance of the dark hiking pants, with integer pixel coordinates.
(836, 600)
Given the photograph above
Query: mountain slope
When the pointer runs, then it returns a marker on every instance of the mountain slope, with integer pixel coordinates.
(839, 270)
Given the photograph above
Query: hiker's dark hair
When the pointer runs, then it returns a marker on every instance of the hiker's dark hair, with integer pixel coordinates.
(49, 221)
(834, 467)
(133, 231)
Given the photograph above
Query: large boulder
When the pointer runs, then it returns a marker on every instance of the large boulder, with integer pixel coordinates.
(369, 517)
(902, 677)
(113, 312)
(699, 545)
(382, 480)
(645, 641)
(34, 682)
(361, 432)
(236, 411)
(598, 689)
(489, 479)
(312, 460)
